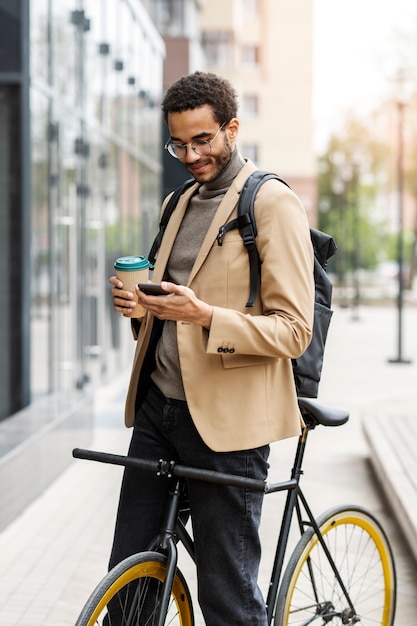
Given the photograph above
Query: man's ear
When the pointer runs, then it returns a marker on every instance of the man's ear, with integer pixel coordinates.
(232, 129)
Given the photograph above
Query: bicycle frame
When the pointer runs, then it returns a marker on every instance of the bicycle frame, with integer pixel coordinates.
(295, 501)
(174, 529)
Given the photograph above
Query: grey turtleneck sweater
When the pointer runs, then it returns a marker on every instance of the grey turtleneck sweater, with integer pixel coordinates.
(195, 224)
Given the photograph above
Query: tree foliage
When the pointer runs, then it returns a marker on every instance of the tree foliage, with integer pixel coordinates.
(357, 181)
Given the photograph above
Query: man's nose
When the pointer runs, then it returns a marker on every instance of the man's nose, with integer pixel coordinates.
(191, 155)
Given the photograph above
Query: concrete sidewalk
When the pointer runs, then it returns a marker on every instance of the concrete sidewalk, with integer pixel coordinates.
(56, 551)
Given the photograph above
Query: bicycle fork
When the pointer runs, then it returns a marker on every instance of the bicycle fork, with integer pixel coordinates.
(166, 543)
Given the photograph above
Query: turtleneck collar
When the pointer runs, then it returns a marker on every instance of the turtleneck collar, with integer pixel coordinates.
(223, 181)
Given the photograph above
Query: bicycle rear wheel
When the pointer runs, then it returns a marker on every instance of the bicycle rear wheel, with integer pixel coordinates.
(129, 595)
(310, 593)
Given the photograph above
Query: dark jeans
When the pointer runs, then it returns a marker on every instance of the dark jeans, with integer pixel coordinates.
(225, 519)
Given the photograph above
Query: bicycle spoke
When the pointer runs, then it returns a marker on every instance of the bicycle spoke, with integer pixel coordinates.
(364, 563)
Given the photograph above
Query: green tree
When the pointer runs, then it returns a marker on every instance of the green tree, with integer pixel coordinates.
(349, 182)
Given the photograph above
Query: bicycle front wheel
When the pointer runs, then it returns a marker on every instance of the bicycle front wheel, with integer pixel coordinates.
(129, 595)
(310, 592)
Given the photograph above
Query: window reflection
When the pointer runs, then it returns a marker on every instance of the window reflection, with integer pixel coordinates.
(96, 87)
(41, 278)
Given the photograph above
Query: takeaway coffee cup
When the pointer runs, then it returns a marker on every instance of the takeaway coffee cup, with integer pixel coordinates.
(132, 270)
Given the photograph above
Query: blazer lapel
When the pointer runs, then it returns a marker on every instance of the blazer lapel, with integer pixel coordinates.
(222, 216)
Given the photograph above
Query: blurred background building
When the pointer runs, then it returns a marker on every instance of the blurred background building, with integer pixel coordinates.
(265, 48)
(82, 174)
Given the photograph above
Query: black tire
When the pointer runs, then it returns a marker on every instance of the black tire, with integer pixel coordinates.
(134, 586)
(363, 557)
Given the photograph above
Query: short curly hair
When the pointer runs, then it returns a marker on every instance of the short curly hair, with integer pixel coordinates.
(198, 89)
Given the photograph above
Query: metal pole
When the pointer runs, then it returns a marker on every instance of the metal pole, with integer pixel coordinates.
(356, 243)
(400, 175)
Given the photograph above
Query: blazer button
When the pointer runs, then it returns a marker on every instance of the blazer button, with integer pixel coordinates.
(231, 350)
(219, 349)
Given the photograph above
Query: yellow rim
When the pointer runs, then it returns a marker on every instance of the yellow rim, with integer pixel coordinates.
(354, 518)
(152, 569)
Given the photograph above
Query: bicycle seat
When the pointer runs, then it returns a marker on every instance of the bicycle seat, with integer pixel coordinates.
(315, 413)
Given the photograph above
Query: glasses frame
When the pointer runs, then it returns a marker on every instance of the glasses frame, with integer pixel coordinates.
(170, 145)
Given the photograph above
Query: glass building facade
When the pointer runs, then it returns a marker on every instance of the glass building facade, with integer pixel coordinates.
(80, 184)
(95, 135)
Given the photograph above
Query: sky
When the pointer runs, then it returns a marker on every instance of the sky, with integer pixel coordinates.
(355, 48)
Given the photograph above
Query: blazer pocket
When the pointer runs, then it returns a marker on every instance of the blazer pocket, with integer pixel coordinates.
(245, 360)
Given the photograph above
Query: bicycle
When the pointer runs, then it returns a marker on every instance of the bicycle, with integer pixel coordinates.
(341, 571)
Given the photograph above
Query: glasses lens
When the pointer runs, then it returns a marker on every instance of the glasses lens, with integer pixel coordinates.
(176, 150)
(201, 147)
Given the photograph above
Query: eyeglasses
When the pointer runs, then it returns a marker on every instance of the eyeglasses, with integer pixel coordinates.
(202, 147)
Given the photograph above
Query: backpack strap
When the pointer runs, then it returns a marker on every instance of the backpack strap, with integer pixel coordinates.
(246, 206)
(171, 204)
(246, 224)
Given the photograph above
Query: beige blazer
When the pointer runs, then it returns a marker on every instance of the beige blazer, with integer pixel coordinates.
(238, 376)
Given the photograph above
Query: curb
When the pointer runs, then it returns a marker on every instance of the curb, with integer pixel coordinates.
(392, 444)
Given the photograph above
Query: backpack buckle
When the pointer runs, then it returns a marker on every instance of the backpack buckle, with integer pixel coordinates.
(220, 235)
(248, 235)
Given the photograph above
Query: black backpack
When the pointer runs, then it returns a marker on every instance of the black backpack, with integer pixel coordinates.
(307, 368)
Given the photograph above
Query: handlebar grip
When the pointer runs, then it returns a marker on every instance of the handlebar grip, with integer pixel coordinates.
(116, 459)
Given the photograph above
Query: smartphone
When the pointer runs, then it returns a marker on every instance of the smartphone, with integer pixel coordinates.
(153, 289)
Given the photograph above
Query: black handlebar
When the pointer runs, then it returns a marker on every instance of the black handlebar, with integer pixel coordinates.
(169, 468)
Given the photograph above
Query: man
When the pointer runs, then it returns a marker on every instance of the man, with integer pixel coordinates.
(216, 387)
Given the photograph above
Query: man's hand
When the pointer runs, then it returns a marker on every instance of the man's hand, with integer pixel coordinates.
(180, 305)
(123, 301)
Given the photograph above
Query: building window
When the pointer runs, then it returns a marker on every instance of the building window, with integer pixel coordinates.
(95, 183)
(250, 106)
(250, 151)
(218, 48)
(250, 55)
(169, 16)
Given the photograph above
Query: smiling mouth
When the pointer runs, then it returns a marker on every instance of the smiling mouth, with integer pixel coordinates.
(197, 167)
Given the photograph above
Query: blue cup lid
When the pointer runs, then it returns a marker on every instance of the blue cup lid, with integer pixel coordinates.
(132, 263)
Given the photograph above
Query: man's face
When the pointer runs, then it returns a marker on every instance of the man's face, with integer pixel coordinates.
(199, 124)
